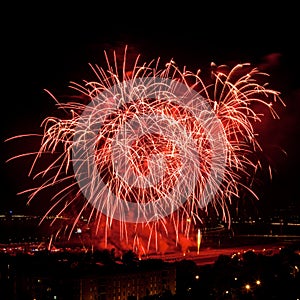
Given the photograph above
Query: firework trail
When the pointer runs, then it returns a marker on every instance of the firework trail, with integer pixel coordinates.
(151, 148)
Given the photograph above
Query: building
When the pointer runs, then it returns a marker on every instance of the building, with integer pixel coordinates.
(68, 277)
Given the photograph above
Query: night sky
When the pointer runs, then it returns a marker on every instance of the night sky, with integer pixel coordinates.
(46, 48)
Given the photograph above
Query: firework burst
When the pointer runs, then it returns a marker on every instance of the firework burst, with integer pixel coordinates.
(150, 148)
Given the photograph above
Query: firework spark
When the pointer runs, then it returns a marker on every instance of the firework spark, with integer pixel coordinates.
(151, 148)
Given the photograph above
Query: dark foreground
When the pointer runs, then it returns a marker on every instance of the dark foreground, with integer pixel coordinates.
(256, 272)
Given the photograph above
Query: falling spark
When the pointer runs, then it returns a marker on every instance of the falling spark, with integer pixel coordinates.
(50, 243)
(198, 240)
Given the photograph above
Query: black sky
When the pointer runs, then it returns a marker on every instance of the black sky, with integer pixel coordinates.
(47, 47)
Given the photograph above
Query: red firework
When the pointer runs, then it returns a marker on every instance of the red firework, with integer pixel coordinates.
(152, 149)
